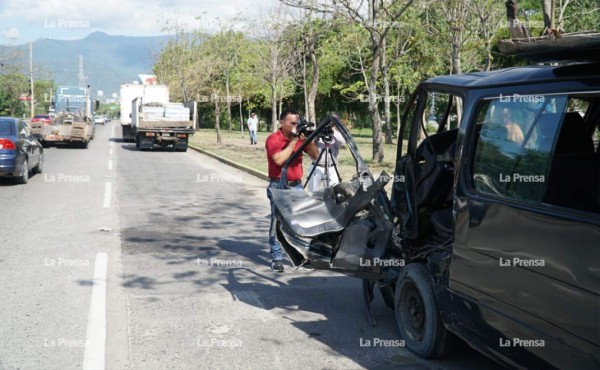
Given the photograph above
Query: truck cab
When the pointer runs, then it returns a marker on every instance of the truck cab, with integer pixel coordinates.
(492, 232)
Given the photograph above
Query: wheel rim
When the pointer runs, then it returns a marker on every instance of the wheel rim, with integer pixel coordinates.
(413, 312)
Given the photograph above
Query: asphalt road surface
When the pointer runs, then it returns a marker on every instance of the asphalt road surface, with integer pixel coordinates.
(115, 258)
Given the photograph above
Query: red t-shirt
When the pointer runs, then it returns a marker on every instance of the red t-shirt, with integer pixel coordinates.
(275, 143)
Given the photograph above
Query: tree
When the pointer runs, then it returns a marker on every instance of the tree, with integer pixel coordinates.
(275, 57)
(376, 17)
(12, 86)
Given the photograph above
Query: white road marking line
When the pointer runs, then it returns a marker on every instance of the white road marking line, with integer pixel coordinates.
(110, 151)
(110, 164)
(107, 192)
(95, 343)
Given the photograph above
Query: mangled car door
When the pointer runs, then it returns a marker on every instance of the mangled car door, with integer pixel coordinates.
(346, 227)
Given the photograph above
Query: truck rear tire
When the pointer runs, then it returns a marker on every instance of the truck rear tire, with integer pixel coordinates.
(417, 314)
(137, 141)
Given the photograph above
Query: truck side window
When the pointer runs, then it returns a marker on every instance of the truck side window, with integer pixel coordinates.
(513, 154)
(532, 149)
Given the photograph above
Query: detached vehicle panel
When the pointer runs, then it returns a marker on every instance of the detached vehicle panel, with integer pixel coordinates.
(493, 230)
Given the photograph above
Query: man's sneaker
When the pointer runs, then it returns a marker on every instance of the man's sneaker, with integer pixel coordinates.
(277, 266)
(305, 265)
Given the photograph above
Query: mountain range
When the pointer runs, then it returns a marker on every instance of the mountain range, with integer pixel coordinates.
(108, 61)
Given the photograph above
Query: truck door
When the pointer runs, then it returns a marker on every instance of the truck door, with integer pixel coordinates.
(527, 237)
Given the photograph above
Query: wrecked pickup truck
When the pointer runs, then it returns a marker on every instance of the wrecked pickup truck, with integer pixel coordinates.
(492, 233)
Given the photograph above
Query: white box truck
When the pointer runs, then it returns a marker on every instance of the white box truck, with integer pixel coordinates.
(149, 94)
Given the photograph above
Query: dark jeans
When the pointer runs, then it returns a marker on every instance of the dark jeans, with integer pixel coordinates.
(276, 250)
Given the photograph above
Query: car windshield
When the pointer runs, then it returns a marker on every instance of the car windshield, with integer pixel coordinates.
(7, 128)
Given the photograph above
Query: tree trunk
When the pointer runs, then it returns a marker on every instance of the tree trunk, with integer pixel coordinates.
(387, 114)
(217, 121)
(273, 108)
(304, 87)
(547, 12)
(488, 54)
(242, 120)
(280, 105)
(228, 103)
(374, 107)
(398, 112)
(312, 94)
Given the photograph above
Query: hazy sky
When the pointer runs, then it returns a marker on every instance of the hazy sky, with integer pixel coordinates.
(28, 20)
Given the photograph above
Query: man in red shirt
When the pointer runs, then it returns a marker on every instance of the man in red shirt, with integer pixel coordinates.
(280, 145)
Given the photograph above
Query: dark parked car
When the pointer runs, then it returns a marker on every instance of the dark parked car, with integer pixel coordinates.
(492, 233)
(20, 152)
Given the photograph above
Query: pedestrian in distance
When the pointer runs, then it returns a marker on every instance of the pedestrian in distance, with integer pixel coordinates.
(252, 124)
(280, 145)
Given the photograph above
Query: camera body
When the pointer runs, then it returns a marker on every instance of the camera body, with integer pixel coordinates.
(304, 127)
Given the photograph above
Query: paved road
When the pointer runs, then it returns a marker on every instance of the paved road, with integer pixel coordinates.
(171, 249)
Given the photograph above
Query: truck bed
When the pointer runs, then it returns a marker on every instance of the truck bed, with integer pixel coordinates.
(163, 124)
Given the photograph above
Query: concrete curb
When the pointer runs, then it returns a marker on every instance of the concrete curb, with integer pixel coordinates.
(231, 163)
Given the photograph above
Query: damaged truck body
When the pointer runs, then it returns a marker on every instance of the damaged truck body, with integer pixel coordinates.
(492, 232)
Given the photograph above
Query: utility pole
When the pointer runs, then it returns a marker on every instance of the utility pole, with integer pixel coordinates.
(32, 96)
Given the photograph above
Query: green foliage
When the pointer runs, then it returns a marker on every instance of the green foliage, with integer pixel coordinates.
(11, 87)
(418, 46)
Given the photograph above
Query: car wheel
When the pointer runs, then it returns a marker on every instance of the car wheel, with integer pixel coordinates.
(23, 177)
(40, 166)
(417, 315)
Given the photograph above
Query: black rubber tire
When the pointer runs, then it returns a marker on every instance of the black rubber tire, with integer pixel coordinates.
(137, 141)
(417, 315)
(40, 166)
(23, 178)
